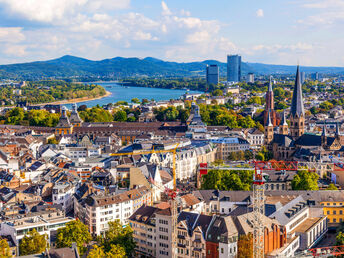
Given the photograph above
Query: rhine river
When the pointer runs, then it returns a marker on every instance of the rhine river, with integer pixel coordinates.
(126, 93)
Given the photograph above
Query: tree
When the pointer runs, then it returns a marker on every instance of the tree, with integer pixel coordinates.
(135, 100)
(248, 155)
(118, 236)
(74, 231)
(228, 180)
(217, 92)
(218, 162)
(96, 252)
(116, 251)
(5, 251)
(82, 108)
(120, 116)
(305, 180)
(14, 116)
(233, 156)
(144, 101)
(340, 238)
(245, 246)
(52, 141)
(33, 243)
(331, 187)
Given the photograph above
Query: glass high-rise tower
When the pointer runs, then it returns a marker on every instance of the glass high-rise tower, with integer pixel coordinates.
(233, 68)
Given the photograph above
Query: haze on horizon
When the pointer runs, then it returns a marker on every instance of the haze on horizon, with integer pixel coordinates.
(266, 31)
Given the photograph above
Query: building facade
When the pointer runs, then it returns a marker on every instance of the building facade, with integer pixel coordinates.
(233, 68)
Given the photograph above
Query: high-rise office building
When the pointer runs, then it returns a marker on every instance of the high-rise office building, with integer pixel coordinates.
(303, 77)
(250, 77)
(212, 74)
(233, 68)
(315, 76)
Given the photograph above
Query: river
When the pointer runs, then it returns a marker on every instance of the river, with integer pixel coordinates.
(127, 93)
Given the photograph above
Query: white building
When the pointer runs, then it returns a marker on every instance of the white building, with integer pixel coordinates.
(62, 193)
(44, 222)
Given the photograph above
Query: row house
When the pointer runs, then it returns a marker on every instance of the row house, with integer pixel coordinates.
(197, 235)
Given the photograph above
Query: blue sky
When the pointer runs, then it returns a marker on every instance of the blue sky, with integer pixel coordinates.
(269, 31)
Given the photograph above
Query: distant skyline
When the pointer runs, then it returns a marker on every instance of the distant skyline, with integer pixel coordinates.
(265, 31)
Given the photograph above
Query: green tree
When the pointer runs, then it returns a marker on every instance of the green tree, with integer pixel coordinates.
(118, 236)
(340, 238)
(144, 101)
(14, 116)
(52, 141)
(217, 92)
(96, 114)
(120, 116)
(260, 156)
(248, 155)
(33, 243)
(116, 251)
(331, 187)
(135, 100)
(233, 156)
(96, 252)
(228, 180)
(5, 251)
(305, 180)
(74, 231)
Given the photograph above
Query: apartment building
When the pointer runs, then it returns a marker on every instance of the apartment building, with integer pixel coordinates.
(230, 144)
(255, 138)
(45, 220)
(62, 193)
(143, 223)
(96, 210)
(163, 228)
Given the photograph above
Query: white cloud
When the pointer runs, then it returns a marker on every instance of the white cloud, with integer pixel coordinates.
(15, 50)
(165, 9)
(260, 13)
(328, 12)
(51, 10)
(11, 35)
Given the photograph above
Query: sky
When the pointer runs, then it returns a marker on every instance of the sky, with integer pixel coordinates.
(309, 32)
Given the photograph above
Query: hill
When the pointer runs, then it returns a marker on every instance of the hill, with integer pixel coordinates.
(119, 67)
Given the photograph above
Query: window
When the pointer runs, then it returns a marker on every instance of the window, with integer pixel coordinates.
(334, 220)
(328, 212)
(334, 212)
(222, 250)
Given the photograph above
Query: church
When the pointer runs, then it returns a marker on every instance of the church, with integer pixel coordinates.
(289, 141)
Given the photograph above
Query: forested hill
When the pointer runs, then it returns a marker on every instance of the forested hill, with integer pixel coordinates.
(119, 67)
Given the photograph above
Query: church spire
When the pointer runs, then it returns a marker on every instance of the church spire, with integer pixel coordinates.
(284, 120)
(268, 120)
(297, 111)
(324, 130)
(297, 108)
(337, 129)
(270, 84)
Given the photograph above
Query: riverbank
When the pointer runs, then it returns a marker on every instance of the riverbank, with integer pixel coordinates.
(77, 100)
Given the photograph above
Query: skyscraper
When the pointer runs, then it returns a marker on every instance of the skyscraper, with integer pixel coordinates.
(233, 68)
(212, 74)
(303, 77)
(250, 77)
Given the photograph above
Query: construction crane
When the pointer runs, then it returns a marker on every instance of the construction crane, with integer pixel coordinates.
(258, 198)
(171, 193)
